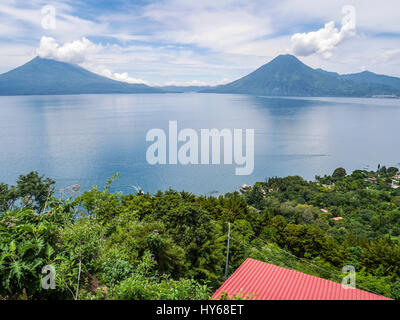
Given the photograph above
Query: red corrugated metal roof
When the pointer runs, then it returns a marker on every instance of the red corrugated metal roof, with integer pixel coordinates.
(270, 282)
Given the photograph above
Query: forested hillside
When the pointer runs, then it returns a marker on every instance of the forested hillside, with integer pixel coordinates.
(172, 245)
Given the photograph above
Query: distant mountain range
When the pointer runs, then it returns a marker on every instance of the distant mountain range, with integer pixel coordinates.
(283, 76)
(182, 89)
(288, 76)
(45, 76)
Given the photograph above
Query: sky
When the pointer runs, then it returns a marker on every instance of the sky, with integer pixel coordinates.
(207, 42)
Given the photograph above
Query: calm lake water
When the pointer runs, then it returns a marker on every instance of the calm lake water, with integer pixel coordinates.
(86, 139)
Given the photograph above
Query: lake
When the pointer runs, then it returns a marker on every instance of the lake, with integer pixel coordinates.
(85, 139)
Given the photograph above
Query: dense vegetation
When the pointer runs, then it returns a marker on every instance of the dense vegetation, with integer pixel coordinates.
(172, 245)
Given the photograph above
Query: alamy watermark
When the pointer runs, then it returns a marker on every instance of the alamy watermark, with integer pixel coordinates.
(49, 280)
(349, 281)
(49, 18)
(349, 17)
(202, 148)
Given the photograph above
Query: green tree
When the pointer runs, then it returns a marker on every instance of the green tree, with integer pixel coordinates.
(392, 171)
(339, 173)
(256, 197)
(34, 190)
(8, 197)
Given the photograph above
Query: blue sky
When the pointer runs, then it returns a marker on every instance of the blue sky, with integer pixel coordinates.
(201, 42)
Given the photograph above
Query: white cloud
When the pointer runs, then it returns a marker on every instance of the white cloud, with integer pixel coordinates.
(196, 83)
(326, 39)
(362, 52)
(24, 18)
(80, 52)
(372, 16)
(124, 77)
(77, 51)
(105, 72)
(388, 56)
(217, 25)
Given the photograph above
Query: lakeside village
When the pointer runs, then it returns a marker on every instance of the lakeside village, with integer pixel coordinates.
(374, 178)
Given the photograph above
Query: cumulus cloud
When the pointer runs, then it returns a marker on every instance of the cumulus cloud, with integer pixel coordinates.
(80, 52)
(326, 39)
(77, 51)
(105, 72)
